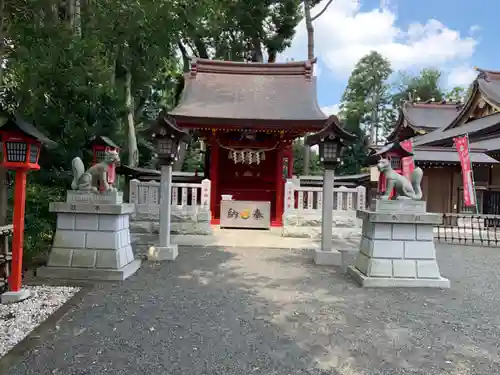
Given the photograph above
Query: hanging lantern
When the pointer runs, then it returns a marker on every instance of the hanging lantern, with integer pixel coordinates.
(167, 138)
(21, 143)
(331, 140)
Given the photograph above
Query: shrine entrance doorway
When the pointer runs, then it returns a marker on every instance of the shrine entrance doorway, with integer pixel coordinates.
(251, 179)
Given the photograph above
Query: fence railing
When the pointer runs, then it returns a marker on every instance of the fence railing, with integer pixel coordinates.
(5, 256)
(469, 229)
(185, 197)
(310, 199)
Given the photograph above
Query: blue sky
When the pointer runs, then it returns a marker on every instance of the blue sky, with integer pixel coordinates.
(451, 35)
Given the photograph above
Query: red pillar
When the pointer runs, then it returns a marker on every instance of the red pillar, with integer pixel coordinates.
(16, 276)
(214, 163)
(279, 187)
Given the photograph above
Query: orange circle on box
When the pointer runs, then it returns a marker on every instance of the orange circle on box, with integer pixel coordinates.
(245, 214)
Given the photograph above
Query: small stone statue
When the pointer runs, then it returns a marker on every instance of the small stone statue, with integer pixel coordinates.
(87, 179)
(404, 188)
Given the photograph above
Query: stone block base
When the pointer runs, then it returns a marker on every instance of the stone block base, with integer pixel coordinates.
(13, 297)
(327, 258)
(92, 241)
(397, 248)
(393, 282)
(159, 253)
(93, 274)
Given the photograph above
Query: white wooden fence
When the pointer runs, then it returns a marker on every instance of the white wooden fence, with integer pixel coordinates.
(303, 199)
(190, 198)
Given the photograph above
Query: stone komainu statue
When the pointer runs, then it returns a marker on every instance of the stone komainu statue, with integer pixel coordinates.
(404, 189)
(90, 178)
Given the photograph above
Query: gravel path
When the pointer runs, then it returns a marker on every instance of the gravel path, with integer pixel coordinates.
(18, 320)
(258, 311)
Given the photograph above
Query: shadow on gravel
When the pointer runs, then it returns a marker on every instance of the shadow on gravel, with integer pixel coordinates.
(185, 317)
(261, 311)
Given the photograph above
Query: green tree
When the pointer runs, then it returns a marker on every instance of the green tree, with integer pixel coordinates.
(365, 107)
(422, 87)
(457, 94)
(315, 166)
(80, 68)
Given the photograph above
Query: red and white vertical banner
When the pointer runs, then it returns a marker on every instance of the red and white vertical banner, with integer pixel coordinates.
(407, 163)
(462, 146)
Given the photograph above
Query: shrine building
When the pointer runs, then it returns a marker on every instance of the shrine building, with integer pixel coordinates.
(248, 115)
(432, 126)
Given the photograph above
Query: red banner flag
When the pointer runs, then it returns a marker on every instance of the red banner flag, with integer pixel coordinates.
(407, 163)
(462, 146)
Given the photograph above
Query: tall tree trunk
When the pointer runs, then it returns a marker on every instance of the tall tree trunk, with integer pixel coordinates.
(257, 55)
(310, 29)
(310, 56)
(133, 151)
(73, 9)
(183, 146)
(177, 167)
(4, 186)
(77, 20)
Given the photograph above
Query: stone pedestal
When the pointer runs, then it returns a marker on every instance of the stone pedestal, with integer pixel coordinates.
(92, 239)
(397, 246)
(327, 258)
(14, 297)
(159, 253)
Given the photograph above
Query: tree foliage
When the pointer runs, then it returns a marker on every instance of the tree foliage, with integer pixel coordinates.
(315, 166)
(421, 87)
(81, 68)
(365, 108)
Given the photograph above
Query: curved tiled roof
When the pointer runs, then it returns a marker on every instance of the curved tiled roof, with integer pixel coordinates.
(251, 93)
(487, 85)
(425, 117)
(483, 125)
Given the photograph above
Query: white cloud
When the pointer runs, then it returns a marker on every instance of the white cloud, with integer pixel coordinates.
(331, 109)
(462, 76)
(344, 33)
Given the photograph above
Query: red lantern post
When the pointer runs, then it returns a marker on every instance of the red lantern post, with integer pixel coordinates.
(99, 147)
(21, 143)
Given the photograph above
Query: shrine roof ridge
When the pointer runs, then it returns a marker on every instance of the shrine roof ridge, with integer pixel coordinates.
(221, 93)
(424, 117)
(293, 68)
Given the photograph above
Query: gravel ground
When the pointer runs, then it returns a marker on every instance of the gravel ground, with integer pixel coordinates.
(258, 311)
(18, 320)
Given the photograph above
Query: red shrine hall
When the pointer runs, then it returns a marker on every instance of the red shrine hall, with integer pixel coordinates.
(248, 114)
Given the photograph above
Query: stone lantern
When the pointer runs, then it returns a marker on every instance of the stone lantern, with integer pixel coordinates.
(167, 138)
(331, 141)
(21, 144)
